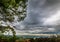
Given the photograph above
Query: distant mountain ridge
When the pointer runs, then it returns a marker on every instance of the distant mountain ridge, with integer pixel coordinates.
(47, 33)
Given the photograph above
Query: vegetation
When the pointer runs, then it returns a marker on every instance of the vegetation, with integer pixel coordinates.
(45, 40)
(9, 10)
(19, 39)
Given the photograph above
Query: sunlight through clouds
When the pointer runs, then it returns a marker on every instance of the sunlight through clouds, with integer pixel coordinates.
(53, 19)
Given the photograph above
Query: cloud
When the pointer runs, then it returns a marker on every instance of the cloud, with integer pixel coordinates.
(43, 16)
(53, 19)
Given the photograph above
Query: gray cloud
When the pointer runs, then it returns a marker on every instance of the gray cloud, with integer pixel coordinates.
(43, 16)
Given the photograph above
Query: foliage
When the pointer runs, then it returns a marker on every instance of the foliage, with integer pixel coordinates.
(8, 10)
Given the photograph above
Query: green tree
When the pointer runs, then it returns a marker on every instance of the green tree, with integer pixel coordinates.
(8, 10)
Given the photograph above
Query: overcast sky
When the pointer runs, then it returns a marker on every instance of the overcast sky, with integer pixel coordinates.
(42, 16)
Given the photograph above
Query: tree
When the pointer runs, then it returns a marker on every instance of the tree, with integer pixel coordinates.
(8, 10)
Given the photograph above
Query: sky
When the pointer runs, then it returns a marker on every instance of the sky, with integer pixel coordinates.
(42, 16)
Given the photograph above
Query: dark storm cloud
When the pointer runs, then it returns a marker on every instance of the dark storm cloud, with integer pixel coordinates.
(43, 16)
(39, 9)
